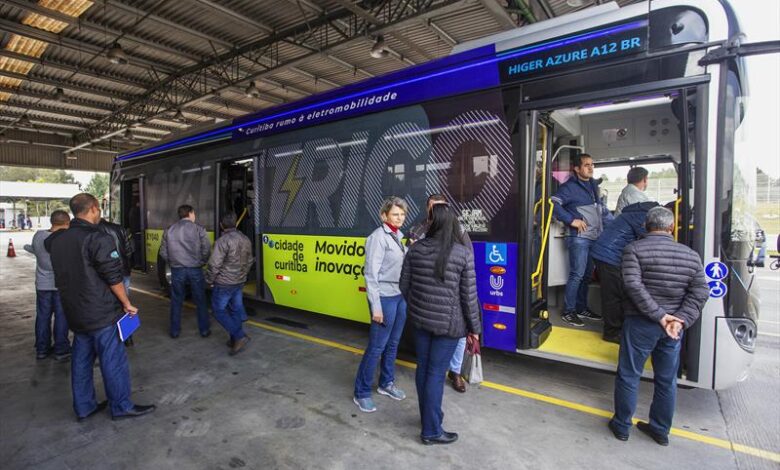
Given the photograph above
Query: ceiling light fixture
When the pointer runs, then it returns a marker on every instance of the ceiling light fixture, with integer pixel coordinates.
(59, 95)
(179, 116)
(129, 134)
(24, 121)
(575, 3)
(252, 91)
(378, 50)
(116, 55)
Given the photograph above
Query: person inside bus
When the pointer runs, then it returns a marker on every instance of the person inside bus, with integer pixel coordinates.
(665, 290)
(634, 191)
(227, 271)
(439, 283)
(185, 247)
(384, 257)
(418, 233)
(578, 205)
(607, 253)
(47, 298)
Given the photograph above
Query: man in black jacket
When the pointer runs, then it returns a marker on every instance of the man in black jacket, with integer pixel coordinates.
(88, 275)
(665, 290)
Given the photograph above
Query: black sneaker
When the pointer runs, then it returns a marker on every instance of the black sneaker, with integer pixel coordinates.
(572, 319)
(588, 314)
(42, 355)
(658, 438)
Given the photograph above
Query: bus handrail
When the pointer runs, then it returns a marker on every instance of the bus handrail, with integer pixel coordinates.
(677, 218)
(535, 277)
(241, 217)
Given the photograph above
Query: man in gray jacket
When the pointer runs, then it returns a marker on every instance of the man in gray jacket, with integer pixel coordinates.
(47, 298)
(227, 270)
(665, 290)
(185, 247)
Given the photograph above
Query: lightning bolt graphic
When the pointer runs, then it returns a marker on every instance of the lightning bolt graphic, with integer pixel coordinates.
(292, 184)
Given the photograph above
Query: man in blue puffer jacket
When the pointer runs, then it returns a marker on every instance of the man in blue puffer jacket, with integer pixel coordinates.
(578, 205)
(607, 253)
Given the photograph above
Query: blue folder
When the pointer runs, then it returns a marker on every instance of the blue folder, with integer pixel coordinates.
(127, 325)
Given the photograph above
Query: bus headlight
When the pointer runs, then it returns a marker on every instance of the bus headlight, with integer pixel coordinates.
(744, 331)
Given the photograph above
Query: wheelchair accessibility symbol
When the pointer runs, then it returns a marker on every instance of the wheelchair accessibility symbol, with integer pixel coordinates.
(717, 289)
(495, 254)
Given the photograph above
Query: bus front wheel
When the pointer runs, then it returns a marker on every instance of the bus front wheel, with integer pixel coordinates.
(163, 274)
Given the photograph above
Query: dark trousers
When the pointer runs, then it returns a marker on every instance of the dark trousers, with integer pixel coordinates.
(180, 277)
(641, 339)
(104, 344)
(47, 303)
(227, 302)
(383, 340)
(611, 297)
(433, 357)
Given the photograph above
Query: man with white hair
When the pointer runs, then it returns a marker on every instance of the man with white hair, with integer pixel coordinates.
(664, 291)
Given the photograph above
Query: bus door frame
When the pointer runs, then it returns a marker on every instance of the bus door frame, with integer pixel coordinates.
(123, 195)
(529, 120)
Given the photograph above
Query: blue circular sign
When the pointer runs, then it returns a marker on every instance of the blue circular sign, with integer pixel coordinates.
(717, 289)
(716, 270)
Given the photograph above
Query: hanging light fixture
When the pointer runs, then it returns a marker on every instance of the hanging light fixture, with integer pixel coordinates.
(24, 121)
(59, 95)
(252, 91)
(575, 3)
(129, 134)
(116, 55)
(179, 116)
(378, 50)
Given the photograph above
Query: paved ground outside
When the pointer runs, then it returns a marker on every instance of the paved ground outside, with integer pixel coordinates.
(286, 402)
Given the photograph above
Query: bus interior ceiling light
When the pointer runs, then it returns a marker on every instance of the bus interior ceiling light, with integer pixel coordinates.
(252, 91)
(116, 55)
(241, 162)
(378, 50)
(624, 106)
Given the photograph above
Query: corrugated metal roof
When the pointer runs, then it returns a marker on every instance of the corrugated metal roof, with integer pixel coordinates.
(163, 38)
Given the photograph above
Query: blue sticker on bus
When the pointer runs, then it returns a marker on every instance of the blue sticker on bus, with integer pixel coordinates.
(717, 289)
(716, 270)
(495, 254)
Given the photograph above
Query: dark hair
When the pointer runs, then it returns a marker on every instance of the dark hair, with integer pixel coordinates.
(636, 174)
(445, 228)
(59, 217)
(576, 161)
(185, 210)
(81, 203)
(228, 220)
(436, 197)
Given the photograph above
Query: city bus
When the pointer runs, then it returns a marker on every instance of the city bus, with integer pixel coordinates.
(493, 127)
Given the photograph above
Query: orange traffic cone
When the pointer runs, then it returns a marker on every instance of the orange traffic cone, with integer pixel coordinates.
(11, 251)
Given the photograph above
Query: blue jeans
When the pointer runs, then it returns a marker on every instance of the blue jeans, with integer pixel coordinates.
(457, 357)
(642, 338)
(382, 342)
(227, 302)
(105, 344)
(180, 277)
(433, 355)
(575, 296)
(47, 302)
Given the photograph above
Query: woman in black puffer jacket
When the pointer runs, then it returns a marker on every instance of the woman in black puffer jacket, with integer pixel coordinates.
(439, 284)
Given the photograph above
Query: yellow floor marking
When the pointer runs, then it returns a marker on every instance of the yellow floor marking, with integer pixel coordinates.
(713, 441)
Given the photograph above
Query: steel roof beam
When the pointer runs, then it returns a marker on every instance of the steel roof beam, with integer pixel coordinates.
(190, 75)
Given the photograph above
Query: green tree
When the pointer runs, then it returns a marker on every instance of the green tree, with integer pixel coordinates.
(35, 175)
(98, 186)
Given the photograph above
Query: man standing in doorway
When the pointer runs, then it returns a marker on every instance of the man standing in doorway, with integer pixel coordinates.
(227, 271)
(47, 299)
(578, 205)
(185, 247)
(665, 290)
(634, 192)
(125, 248)
(88, 274)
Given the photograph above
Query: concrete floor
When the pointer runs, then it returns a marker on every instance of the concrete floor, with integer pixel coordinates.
(286, 403)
